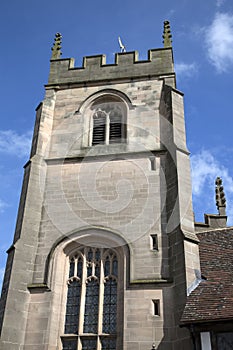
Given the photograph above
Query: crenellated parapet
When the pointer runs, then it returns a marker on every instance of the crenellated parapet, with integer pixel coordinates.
(127, 66)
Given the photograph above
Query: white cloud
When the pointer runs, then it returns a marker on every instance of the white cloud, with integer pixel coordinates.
(205, 169)
(3, 205)
(219, 3)
(219, 41)
(185, 70)
(15, 144)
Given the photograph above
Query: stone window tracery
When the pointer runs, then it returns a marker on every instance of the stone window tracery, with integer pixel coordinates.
(92, 300)
(108, 120)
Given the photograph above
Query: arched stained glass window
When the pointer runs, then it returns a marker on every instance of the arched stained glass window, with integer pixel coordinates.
(92, 301)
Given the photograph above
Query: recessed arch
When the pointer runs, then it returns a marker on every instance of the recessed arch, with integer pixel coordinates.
(105, 114)
(93, 249)
(105, 92)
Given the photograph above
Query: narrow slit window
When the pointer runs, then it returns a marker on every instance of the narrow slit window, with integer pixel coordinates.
(156, 307)
(154, 242)
(152, 163)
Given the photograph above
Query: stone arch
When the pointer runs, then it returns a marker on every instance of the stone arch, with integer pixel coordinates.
(105, 92)
(111, 126)
(58, 265)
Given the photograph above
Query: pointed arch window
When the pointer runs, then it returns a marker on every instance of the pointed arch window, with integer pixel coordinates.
(92, 301)
(109, 121)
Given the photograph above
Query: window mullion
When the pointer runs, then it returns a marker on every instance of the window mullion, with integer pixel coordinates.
(79, 344)
(75, 266)
(91, 132)
(101, 298)
(107, 130)
(98, 343)
(83, 294)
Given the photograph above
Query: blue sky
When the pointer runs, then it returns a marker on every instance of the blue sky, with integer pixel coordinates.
(203, 52)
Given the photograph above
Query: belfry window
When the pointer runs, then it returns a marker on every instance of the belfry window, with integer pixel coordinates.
(108, 122)
(92, 301)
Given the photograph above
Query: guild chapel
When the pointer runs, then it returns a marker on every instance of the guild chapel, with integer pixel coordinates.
(106, 253)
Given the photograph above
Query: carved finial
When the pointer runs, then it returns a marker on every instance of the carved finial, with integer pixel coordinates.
(153, 346)
(167, 42)
(220, 197)
(56, 49)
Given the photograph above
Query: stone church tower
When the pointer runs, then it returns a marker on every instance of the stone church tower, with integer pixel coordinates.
(104, 247)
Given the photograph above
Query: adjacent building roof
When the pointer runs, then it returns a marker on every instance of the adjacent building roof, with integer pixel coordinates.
(212, 300)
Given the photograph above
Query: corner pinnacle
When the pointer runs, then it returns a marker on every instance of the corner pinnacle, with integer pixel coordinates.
(56, 49)
(167, 42)
(220, 197)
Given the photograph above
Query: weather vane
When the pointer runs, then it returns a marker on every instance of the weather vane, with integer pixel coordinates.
(122, 46)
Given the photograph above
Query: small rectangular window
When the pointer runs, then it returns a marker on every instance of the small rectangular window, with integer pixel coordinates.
(154, 242)
(156, 307)
(152, 163)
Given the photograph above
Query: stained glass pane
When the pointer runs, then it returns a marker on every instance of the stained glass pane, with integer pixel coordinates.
(90, 255)
(97, 255)
(80, 268)
(89, 344)
(72, 307)
(97, 271)
(71, 273)
(115, 267)
(107, 267)
(110, 306)
(91, 307)
(69, 344)
(108, 344)
(89, 269)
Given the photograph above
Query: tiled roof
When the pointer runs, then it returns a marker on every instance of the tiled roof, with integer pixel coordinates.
(212, 300)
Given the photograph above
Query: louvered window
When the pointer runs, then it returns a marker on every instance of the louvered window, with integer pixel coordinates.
(108, 123)
(92, 301)
(115, 132)
(99, 128)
